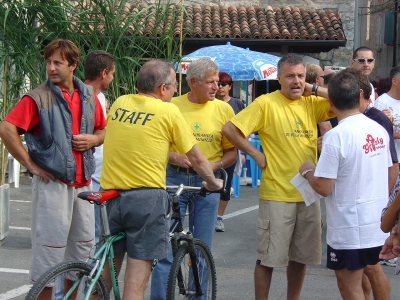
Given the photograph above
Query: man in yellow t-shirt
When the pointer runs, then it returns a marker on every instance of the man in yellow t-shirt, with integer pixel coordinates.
(205, 117)
(140, 132)
(289, 232)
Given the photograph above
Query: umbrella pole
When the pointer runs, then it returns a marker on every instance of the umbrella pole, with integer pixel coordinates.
(180, 51)
(267, 86)
(247, 93)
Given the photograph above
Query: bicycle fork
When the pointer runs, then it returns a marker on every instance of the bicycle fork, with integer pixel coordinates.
(193, 260)
(192, 263)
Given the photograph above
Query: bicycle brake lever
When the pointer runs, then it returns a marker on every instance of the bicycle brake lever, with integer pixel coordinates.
(224, 177)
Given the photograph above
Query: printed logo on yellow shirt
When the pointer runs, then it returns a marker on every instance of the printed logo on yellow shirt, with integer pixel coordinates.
(196, 126)
(298, 123)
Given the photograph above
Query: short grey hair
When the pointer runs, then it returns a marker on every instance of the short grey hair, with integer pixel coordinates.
(198, 68)
(291, 59)
(153, 74)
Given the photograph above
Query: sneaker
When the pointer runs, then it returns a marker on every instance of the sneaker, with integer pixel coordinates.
(391, 262)
(232, 191)
(219, 226)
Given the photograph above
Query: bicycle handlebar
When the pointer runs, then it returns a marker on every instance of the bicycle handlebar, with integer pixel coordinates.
(202, 190)
(104, 196)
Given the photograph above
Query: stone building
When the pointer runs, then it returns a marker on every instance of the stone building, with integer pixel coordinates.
(379, 30)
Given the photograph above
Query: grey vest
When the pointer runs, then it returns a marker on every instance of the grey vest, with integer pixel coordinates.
(52, 149)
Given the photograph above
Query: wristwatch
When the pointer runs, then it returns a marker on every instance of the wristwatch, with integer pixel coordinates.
(314, 89)
(306, 172)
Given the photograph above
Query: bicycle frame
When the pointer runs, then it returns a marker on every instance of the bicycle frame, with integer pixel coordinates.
(178, 234)
(99, 260)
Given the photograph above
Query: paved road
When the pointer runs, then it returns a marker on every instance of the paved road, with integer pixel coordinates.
(234, 254)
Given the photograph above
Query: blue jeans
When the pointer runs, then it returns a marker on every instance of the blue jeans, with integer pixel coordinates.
(97, 219)
(202, 218)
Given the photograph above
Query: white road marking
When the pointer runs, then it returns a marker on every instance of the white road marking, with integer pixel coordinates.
(240, 212)
(19, 228)
(22, 290)
(16, 271)
(20, 201)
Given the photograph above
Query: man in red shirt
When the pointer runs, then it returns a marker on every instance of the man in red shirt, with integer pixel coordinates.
(62, 120)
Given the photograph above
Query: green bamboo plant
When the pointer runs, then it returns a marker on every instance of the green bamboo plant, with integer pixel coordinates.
(120, 27)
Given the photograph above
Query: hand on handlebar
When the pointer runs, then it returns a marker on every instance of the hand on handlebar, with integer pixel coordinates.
(215, 186)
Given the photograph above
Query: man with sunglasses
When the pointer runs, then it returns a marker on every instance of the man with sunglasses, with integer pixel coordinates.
(363, 60)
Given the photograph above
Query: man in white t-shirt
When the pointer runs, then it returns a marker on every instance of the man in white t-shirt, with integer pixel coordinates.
(391, 101)
(357, 146)
(99, 72)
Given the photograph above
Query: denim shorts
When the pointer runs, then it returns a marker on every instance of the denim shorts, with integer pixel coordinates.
(351, 259)
(143, 215)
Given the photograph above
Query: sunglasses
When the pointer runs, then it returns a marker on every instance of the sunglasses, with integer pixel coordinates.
(224, 84)
(363, 60)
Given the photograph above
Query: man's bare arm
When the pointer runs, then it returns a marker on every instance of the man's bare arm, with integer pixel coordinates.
(321, 91)
(229, 157)
(203, 168)
(322, 186)
(390, 216)
(12, 141)
(236, 137)
(393, 173)
(391, 248)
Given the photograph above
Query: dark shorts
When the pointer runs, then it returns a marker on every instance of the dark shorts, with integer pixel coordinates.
(351, 259)
(229, 171)
(142, 214)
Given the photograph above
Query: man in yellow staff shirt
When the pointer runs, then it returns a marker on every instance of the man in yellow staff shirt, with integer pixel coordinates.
(205, 117)
(288, 232)
(140, 131)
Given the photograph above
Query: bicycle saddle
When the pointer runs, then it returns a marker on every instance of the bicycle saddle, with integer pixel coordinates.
(98, 197)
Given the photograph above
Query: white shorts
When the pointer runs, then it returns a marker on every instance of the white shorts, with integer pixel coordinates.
(62, 225)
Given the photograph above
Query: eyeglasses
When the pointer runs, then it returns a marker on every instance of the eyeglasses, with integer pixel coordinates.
(363, 60)
(224, 84)
(176, 84)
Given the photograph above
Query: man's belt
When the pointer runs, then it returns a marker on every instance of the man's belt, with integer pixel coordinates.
(184, 170)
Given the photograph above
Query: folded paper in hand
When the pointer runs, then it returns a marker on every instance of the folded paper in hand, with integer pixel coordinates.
(305, 189)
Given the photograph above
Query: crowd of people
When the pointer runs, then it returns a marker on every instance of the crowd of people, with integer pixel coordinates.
(187, 139)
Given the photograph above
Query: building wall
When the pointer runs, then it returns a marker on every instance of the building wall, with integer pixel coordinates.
(383, 53)
(335, 57)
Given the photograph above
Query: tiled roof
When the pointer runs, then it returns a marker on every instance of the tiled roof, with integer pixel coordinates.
(264, 23)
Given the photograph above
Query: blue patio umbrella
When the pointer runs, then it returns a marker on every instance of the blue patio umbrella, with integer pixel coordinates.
(241, 64)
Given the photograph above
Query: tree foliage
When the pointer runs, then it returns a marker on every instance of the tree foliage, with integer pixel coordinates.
(120, 27)
(130, 30)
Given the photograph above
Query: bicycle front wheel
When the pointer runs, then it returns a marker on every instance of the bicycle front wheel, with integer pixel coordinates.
(181, 283)
(68, 280)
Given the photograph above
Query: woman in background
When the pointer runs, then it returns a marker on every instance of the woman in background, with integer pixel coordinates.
(224, 86)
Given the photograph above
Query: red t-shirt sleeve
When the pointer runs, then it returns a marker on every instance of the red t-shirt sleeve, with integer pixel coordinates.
(100, 121)
(25, 116)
